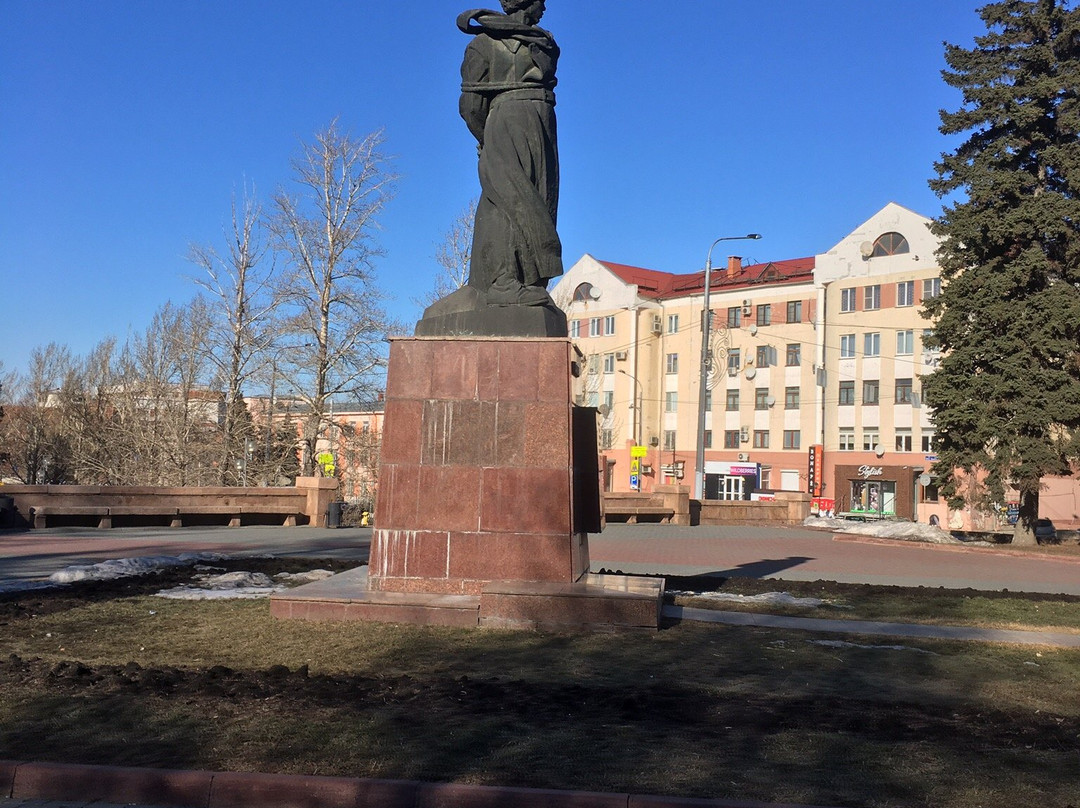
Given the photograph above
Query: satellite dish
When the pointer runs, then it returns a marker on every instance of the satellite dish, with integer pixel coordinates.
(879, 450)
(866, 249)
(753, 330)
(770, 400)
(750, 373)
(594, 293)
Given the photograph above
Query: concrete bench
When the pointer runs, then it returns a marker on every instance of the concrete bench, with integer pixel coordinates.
(42, 513)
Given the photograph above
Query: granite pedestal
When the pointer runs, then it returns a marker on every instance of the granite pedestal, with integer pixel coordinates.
(488, 487)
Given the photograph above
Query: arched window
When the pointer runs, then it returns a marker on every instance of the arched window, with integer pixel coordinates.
(584, 293)
(890, 244)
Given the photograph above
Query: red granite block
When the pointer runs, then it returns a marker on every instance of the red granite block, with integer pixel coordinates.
(519, 365)
(450, 498)
(533, 500)
(243, 790)
(454, 373)
(414, 614)
(409, 371)
(458, 433)
(398, 501)
(554, 371)
(510, 434)
(458, 795)
(511, 557)
(547, 435)
(62, 781)
(402, 431)
(487, 370)
(408, 554)
(387, 556)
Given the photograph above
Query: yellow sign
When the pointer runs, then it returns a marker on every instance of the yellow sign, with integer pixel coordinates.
(639, 451)
(635, 466)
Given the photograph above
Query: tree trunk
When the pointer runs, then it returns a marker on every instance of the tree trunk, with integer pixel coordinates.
(1024, 534)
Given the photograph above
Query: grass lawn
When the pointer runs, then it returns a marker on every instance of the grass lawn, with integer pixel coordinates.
(106, 673)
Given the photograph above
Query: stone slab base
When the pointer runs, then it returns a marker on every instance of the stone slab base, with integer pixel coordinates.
(596, 603)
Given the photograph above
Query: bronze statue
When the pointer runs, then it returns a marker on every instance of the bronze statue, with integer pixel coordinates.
(508, 103)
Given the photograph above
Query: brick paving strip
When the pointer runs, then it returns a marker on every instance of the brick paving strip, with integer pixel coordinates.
(61, 785)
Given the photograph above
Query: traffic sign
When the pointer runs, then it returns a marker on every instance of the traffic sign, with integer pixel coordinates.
(639, 451)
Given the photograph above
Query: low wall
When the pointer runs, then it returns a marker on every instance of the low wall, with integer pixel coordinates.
(788, 508)
(307, 502)
(673, 498)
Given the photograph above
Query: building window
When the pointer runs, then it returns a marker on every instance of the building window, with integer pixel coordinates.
(905, 293)
(672, 363)
(792, 438)
(766, 356)
(732, 404)
(847, 346)
(575, 329)
(928, 442)
(594, 364)
(903, 391)
(766, 477)
(609, 363)
(870, 440)
(708, 401)
(734, 363)
(708, 439)
(791, 398)
(905, 343)
(847, 299)
(794, 354)
(903, 440)
(673, 323)
(872, 344)
(931, 288)
(847, 440)
(847, 394)
(761, 398)
(609, 400)
(734, 316)
(889, 244)
(731, 439)
(761, 439)
(794, 311)
(669, 439)
(872, 297)
(764, 314)
(609, 325)
(671, 401)
(871, 392)
(584, 293)
(607, 439)
(595, 327)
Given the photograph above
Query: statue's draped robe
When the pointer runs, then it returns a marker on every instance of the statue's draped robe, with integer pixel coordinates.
(508, 103)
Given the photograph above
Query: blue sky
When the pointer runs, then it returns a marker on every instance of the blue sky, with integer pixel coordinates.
(126, 127)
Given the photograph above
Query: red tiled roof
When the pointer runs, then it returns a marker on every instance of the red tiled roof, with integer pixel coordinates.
(658, 285)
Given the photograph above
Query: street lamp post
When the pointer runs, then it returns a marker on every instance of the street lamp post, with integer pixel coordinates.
(639, 402)
(706, 362)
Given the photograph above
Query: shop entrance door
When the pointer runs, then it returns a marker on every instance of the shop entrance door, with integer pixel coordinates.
(877, 497)
(731, 488)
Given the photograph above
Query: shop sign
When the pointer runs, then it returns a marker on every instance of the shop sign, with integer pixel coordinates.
(815, 470)
(866, 472)
(742, 471)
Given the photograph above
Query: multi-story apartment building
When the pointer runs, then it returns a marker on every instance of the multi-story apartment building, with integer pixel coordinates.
(814, 374)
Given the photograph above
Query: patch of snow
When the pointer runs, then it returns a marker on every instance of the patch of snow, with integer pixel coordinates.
(305, 577)
(127, 567)
(238, 585)
(885, 529)
(765, 598)
(844, 644)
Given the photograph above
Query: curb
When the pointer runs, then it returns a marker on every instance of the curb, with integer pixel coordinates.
(952, 548)
(204, 789)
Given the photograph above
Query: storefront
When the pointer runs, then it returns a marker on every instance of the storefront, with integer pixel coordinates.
(731, 481)
(876, 491)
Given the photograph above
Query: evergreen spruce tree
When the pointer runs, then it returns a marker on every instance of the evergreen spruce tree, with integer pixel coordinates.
(1006, 396)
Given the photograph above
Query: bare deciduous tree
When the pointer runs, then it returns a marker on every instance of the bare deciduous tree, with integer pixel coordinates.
(242, 327)
(332, 310)
(453, 256)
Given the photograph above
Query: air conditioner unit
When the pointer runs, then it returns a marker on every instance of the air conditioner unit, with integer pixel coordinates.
(747, 308)
(657, 324)
(744, 456)
(620, 356)
(744, 434)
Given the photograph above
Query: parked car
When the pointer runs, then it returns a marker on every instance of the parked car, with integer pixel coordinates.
(1045, 532)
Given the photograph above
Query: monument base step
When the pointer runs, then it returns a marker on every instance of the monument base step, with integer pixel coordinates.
(595, 603)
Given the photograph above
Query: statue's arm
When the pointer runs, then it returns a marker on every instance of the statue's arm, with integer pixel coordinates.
(474, 106)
